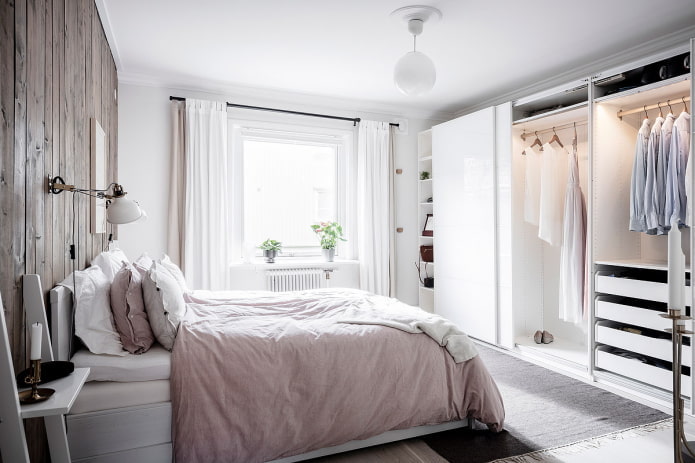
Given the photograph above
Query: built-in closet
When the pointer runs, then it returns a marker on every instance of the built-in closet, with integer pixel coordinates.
(558, 116)
(501, 283)
(630, 267)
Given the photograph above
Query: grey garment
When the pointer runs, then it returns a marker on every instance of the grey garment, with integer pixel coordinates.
(638, 221)
(662, 170)
(650, 187)
(676, 200)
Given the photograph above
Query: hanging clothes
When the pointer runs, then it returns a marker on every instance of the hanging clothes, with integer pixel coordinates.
(650, 199)
(532, 185)
(572, 253)
(676, 198)
(638, 220)
(553, 185)
(662, 170)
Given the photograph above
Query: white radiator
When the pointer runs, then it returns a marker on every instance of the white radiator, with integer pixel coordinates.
(296, 279)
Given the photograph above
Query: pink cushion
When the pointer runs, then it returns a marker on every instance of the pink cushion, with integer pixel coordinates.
(129, 312)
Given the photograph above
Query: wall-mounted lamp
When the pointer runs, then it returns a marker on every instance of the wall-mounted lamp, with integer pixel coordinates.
(119, 209)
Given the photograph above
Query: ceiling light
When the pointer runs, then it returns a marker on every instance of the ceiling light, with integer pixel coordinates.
(414, 73)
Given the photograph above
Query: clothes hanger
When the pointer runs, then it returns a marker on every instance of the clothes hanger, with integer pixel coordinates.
(684, 104)
(574, 140)
(658, 104)
(537, 141)
(670, 109)
(556, 138)
(646, 114)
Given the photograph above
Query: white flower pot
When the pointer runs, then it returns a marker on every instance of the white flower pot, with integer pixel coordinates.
(328, 254)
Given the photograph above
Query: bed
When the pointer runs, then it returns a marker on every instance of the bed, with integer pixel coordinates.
(251, 374)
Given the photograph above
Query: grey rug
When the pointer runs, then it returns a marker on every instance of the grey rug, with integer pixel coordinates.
(544, 409)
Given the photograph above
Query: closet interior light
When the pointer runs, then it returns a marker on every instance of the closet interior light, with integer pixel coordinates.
(414, 73)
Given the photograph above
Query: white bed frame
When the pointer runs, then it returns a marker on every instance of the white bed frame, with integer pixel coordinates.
(143, 433)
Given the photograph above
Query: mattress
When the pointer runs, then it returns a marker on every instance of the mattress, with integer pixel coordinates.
(155, 364)
(106, 395)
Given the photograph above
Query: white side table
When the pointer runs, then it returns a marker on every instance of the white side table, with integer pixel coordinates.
(53, 409)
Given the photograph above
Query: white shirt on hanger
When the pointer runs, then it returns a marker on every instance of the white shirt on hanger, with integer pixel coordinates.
(676, 196)
(650, 187)
(572, 253)
(552, 193)
(532, 185)
(638, 220)
(662, 171)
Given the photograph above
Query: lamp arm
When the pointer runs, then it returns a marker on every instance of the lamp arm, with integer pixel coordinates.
(57, 185)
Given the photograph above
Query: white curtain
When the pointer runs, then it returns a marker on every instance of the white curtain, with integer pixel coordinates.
(206, 218)
(373, 206)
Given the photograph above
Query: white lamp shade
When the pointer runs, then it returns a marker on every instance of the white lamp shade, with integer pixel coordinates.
(414, 73)
(122, 210)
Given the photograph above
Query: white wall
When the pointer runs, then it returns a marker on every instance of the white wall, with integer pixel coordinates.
(144, 132)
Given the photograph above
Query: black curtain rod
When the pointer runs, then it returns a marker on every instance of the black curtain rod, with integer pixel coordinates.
(354, 120)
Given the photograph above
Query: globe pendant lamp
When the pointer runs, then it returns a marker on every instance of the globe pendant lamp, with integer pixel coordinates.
(414, 73)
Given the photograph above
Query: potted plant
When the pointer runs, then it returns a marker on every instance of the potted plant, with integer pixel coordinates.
(270, 249)
(329, 233)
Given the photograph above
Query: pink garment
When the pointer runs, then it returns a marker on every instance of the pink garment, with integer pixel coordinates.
(264, 377)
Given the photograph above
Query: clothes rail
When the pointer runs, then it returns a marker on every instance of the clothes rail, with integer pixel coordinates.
(569, 125)
(658, 105)
(354, 120)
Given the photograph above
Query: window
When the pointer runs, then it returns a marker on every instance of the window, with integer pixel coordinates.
(285, 181)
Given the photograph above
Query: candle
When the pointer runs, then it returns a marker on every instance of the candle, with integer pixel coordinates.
(36, 333)
(676, 269)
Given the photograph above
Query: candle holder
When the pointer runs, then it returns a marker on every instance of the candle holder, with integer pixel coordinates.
(35, 394)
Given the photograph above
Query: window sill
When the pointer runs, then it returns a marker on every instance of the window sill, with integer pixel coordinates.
(259, 264)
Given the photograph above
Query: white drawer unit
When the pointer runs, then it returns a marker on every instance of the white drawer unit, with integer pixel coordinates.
(147, 428)
(606, 282)
(638, 316)
(643, 372)
(609, 333)
(629, 333)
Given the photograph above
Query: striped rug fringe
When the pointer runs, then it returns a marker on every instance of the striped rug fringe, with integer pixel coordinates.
(551, 455)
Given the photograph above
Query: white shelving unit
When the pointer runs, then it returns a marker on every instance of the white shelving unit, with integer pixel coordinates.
(425, 206)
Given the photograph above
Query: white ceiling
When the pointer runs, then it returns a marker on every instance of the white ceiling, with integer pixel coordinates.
(347, 49)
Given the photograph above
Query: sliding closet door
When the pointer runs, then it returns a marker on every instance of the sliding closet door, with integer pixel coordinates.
(463, 172)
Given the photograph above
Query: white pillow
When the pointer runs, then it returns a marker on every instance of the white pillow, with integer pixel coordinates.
(110, 262)
(93, 319)
(164, 304)
(175, 272)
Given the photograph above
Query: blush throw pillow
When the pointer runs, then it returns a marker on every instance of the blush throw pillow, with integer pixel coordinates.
(93, 319)
(110, 262)
(128, 308)
(164, 304)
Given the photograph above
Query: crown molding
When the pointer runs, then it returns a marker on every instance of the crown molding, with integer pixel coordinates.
(637, 52)
(108, 31)
(276, 97)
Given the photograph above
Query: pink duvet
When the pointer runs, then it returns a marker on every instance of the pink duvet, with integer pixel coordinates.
(260, 377)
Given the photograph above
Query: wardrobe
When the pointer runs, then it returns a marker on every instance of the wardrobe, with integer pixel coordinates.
(500, 282)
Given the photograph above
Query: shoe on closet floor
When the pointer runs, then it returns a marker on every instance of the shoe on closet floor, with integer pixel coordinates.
(546, 337)
(538, 337)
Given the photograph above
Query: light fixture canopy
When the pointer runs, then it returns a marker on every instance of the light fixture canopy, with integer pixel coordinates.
(414, 73)
(119, 209)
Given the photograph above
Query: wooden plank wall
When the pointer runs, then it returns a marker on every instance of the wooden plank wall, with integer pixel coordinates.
(56, 73)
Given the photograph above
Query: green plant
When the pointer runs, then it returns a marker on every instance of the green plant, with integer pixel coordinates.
(424, 175)
(271, 245)
(329, 233)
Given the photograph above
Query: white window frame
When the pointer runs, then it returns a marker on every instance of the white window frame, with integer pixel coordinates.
(314, 131)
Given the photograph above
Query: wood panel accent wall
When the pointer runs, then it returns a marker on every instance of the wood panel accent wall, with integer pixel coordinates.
(56, 72)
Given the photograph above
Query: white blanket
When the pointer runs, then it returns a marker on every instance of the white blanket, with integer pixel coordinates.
(414, 320)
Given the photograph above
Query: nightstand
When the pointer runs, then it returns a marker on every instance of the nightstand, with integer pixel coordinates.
(53, 409)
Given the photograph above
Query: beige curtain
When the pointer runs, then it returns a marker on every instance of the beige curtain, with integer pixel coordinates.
(177, 185)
